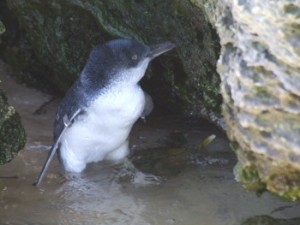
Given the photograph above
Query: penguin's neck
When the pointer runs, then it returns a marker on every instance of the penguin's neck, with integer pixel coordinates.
(118, 89)
(122, 100)
(131, 76)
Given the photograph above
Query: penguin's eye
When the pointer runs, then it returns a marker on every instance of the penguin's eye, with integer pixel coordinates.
(134, 57)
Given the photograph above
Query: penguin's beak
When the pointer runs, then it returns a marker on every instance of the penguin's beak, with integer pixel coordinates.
(156, 50)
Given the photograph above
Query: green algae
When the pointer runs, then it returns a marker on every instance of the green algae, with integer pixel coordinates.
(260, 174)
(249, 177)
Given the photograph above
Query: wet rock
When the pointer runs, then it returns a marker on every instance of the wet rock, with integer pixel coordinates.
(12, 133)
(259, 68)
(267, 220)
(61, 33)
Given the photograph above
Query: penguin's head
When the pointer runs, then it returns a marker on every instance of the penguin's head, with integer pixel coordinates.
(123, 60)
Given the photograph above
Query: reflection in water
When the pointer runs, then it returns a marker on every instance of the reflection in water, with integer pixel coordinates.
(92, 195)
(197, 186)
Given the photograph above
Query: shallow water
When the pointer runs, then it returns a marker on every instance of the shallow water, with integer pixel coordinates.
(197, 185)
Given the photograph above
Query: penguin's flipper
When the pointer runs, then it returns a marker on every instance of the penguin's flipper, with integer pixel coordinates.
(148, 106)
(67, 123)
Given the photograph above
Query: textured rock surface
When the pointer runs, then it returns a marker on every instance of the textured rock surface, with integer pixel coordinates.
(260, 72)
(61, 33)
(12, 133)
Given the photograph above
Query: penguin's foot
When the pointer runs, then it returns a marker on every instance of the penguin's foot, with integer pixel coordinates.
(70, 176)
(129, 173)
(144, 179)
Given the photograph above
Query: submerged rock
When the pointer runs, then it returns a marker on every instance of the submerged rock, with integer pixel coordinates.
(12, 133)
(260, 72)
(267, 220)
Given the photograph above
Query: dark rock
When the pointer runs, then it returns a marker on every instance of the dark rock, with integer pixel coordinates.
(12, 133)
(267, 220)
(61, 34)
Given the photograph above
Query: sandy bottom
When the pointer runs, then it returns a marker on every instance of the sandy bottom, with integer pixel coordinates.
(197, 186)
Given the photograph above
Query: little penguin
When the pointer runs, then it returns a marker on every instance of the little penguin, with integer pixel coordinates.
(95, 117)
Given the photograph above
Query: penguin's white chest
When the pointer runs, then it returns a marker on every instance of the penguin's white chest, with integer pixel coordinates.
(103, 130)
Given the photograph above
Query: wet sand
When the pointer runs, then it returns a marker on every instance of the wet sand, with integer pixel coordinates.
(197, 185)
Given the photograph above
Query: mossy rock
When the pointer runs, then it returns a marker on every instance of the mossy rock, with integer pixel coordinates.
(12, 133)
(61, 34)
(260, 173)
